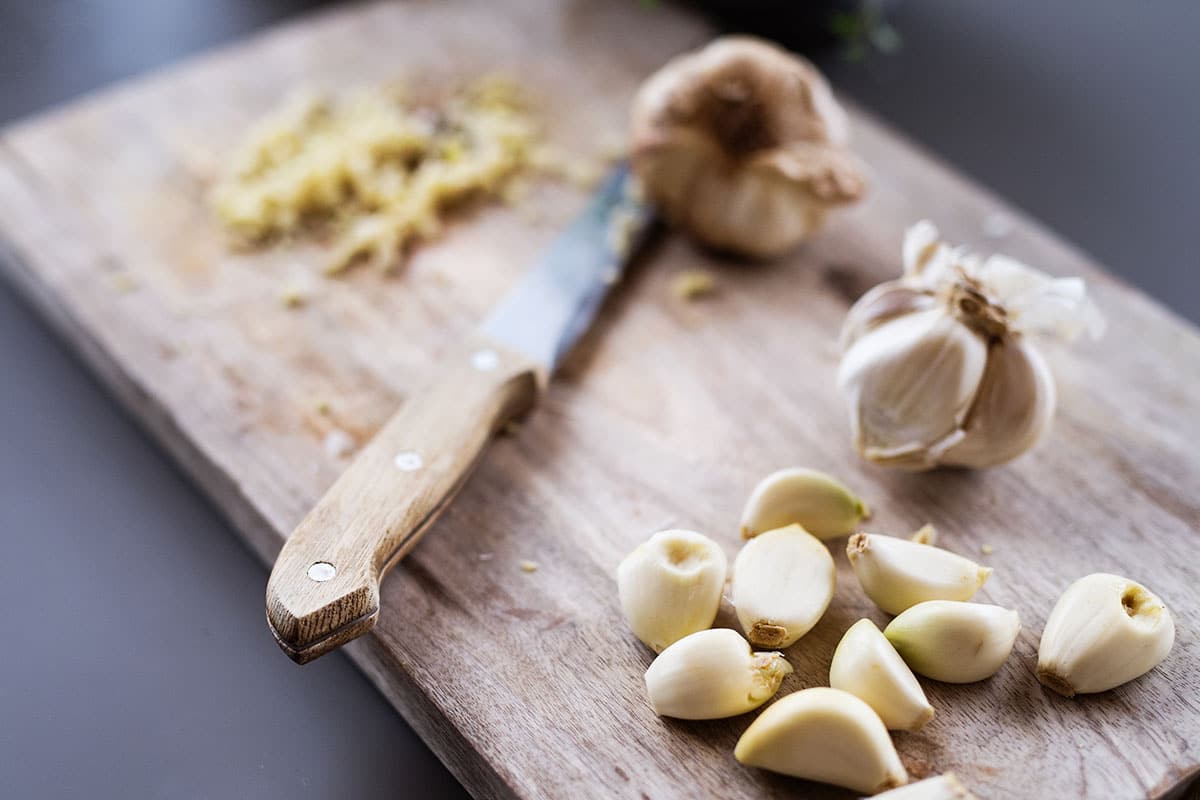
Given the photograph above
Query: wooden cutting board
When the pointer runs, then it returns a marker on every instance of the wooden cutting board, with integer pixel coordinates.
(528, 684)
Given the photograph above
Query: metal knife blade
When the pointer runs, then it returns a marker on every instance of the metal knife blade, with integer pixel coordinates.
(557, 299)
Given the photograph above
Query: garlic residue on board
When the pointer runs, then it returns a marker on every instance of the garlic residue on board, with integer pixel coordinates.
(743, 145)
(937, 368)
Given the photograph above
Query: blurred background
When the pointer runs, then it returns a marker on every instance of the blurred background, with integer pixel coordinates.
(1084, 115)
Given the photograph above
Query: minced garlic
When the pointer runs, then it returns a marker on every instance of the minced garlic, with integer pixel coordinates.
(377, 166)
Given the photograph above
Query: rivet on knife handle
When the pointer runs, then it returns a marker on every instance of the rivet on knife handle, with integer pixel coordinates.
(324, 589)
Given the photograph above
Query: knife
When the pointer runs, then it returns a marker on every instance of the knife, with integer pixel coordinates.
(324, 588)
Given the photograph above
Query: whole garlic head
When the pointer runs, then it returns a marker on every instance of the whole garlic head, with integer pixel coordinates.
(936, 366)
(743, 145)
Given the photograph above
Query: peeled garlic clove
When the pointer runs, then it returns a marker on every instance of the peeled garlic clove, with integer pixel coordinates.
(954, 642)
(867, 666)
(820, 503)
(671, 586)
(943, 787)
(898, 573)
(743, 144)
(782, 583)
(1104, 631)
(824, 735)
(712, 674)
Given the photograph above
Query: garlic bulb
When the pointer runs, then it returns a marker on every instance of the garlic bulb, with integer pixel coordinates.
(952, 641)
(936, 366)
(820, 503)
(782, 583)
(671, 586)
(1104, 631)
(867, 666)
(743, 145)
(713, 674)
(898, 573)
(823, 735)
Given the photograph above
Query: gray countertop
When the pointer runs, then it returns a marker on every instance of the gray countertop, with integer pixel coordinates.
(136, 662)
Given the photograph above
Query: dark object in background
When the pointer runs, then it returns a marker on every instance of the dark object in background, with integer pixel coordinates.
(855, 26)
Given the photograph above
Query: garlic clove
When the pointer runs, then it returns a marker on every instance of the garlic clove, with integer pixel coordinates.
(824, 735)
(1013, 407)
(712, 674)
(911, 382)
(671, 586)
(1104, 631)
(867, 666)
(821, 504)
(880, 304)
(783, 581)
(743, 144)
(898, 573)
(952, 641)
(943, 787)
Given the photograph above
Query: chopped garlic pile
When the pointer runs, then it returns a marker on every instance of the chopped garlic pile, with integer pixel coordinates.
(376, 165)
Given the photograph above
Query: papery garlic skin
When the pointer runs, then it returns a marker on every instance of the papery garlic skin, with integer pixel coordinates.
(1104, 631)
(783, 581)
(937, 369)
(820, 503)
(743, 145)
(867, 666)
(899, 573)
(952, 641)
(712, 674)
(671, 586)
(824, 735)
(943, 787)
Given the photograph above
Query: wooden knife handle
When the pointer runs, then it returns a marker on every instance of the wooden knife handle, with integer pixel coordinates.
(324, 588)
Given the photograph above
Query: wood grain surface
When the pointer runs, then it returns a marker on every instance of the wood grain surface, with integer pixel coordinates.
(527, 684)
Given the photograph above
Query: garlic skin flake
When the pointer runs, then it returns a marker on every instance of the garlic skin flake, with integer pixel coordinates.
(713, 674)
(943, 787)
(824, 735)
(743, 145)
(670, 586)
(899, 573)
(867, 666)
(783, 581)
(954, 642)
(936, 366)
(1104, 631)
(820, 503)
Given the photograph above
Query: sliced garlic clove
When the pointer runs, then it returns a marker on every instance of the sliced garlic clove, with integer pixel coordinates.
(671, 586)
(1012, 409)
(1104, 631)
(824, 735)
(867, 666)
(898, 573)
(910, 383)
(783, 581)
(952, 641)
(712, 674)
(943, 787)
(821, 504)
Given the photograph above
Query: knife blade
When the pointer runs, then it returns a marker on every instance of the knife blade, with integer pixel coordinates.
(324, 587)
